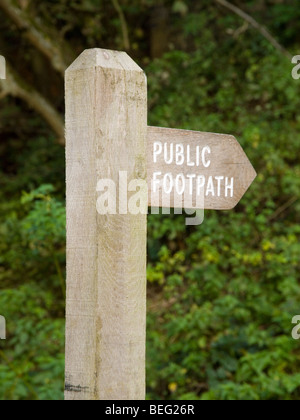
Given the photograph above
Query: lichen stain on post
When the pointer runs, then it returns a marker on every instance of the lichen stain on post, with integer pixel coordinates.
(140, 167)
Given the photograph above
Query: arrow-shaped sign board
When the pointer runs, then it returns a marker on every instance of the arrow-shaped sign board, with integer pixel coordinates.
(111, 152)
(209, 171)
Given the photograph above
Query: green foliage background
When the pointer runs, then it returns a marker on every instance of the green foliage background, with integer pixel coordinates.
(221, 295)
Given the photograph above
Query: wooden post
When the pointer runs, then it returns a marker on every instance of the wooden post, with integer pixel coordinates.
(106, 132)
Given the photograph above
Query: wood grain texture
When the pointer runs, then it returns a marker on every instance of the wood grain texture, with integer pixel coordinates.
(106, 132)
(227, 160)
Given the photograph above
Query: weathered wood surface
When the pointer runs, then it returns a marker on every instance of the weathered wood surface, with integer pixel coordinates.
(223, 159)
(106, 132)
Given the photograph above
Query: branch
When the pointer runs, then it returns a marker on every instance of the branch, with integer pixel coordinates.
(261, 29)
(123, 24)
(13, 85)
(35, 35)
(283, 208)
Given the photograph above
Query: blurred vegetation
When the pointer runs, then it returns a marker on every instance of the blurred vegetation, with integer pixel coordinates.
(221, 295)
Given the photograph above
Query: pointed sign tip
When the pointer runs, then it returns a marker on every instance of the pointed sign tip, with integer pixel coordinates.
(196, 162)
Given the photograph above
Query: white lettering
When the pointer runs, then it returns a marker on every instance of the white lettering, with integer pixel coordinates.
(201, 183)
(210, 187)
(205, 150)
(229, 187)
(189, 163)
(179, 154)
(219, 179)
(169, 160)
(191, 178)
(168, 183)
(197, 156)
(157, 150)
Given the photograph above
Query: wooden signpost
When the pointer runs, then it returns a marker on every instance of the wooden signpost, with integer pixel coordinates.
(211, 165)
(107, 134)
